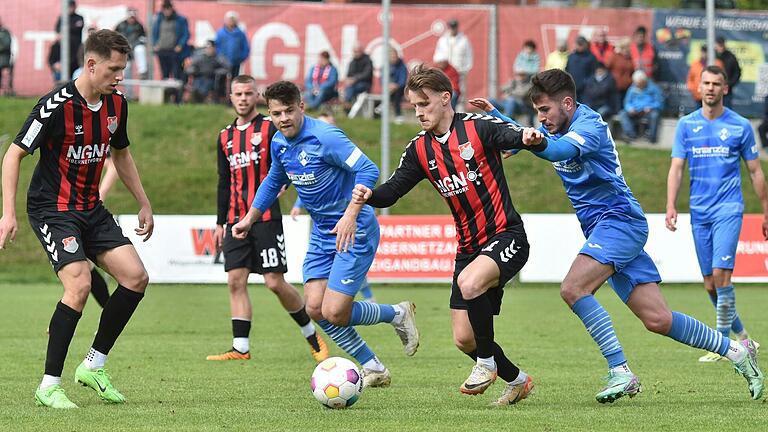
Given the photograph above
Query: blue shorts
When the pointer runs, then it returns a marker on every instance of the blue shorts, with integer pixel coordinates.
(619, 241)
(345, 271)
(716, 243)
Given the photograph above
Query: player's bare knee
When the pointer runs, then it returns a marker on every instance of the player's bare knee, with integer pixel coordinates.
(314, 311)
(470, 286)
(137, 282)
(658, 322)
(463, 343)
(336, 316)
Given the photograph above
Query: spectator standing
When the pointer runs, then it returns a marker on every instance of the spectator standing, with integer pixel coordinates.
(359, 74)
(232, 43)
(528, 60)
(398, 75)
(453, 76)
(209, 74)
(76, 26)
(455, 46)
(621, 66)
(321, 81)
(600, 92)
(643, 54)
(643, 103)
(581, 65)
(601, 48)
(134, 32)
(694, 74)
(558, 58)
(762, 130)
(6, 61)
(170, 33)
(54, 60)
(730, 65)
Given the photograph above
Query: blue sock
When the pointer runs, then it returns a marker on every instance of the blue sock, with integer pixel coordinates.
(692, 332)
(366, 290)
(726, 309)
(599, 325)
(737, 327)
(366, 313)
(348, 340)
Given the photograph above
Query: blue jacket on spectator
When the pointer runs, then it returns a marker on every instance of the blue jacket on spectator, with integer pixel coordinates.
(232, 44)
(581, 66)
(398, 73)
(639, 99)
(182, 31)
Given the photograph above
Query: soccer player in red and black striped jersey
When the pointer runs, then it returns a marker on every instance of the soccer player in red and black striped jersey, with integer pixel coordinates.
(243, 160)
(75, 126)
(460, 155)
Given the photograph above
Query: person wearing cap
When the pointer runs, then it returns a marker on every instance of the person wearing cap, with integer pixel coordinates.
(455, 46)
(643, 102)
(581, 64)
(170, 34)
(730, 65)
(134, 32)
(76, 27)
(232, 43)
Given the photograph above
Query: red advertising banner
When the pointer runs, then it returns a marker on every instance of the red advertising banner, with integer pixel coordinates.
(752, 252)
(415, 248)
(547, 26)
(285, 38)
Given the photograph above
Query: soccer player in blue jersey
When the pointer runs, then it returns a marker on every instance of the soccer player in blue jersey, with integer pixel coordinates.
(324, 165)
(579, 143)
(713, 140)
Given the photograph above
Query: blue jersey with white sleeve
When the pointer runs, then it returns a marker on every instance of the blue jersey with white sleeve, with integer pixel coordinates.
(324, 166)
(593, 179)
(713, 150)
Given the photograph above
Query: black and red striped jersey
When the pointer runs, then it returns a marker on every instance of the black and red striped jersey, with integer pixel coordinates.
(74, 139)
(464, 166)
(244, 160)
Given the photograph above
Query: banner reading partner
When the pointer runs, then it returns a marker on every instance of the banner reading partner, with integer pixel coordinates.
(678, 37)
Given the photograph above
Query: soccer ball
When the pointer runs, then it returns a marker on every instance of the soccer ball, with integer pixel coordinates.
(337, 383)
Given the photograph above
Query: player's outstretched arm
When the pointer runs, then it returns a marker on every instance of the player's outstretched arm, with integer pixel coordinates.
(673, 187)
(11, 164)
(126, 170)
(758, 184)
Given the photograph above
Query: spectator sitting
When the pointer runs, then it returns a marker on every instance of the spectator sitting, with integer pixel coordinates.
(359, 75)
(694, 74)
(208, 71)
(600, 92)
(528, 59)
(453, 75)
(558, 58)
(398, 75)
(621, 66)
(762, 130)
(601, 48)
(320, 85)
(232, 44)
(581, 65)
(516, 101)
(643, 102)
(731, 67)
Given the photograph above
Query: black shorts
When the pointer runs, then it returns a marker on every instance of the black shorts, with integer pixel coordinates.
(263, 251)
(69, 236)
(510, 253)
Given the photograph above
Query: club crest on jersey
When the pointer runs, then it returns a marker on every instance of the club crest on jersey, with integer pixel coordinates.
(112, 124)
(70, 244)
(466, 151)
(724, 134)
(303, 158)
(256, 138)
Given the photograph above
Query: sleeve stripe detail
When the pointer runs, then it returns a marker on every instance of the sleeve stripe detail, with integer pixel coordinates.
(576, 137)
(353, 158)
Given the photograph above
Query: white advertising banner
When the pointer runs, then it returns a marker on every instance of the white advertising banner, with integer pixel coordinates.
(556, 239)
(182, 249)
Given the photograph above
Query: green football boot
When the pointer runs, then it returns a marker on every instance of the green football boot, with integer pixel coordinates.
(749, 369)
(619, 384)
(53, 397)
(98, 379)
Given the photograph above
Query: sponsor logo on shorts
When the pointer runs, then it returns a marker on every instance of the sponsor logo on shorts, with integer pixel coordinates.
(347, 281)
(726, 258)
(594, 245)
(70, 244)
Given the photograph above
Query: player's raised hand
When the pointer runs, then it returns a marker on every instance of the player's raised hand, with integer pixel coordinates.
(532, 136)
(218, 237)
(8, 228)
(345, 230)
(146, 223)
(361, 193)
(671, 221)
(482, 103)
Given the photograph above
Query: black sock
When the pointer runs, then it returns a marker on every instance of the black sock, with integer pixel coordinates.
(60, 332)
(240, 328)
(302, 318)
(114, 317)
(480, 313)
(99, 288)
(506, 370)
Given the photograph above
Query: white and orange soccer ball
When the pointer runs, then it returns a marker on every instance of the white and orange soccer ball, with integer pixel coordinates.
(337, 383)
